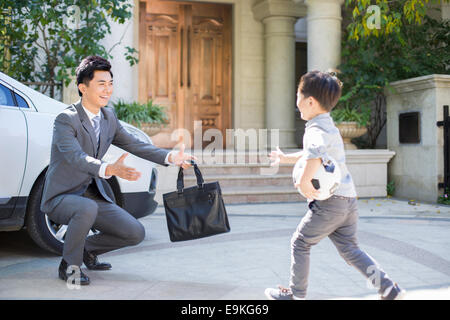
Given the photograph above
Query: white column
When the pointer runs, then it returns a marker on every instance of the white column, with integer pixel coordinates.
(280, 77)
(279, 17)
(324, 34)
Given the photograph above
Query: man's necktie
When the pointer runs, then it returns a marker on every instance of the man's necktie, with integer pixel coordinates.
(96, 121)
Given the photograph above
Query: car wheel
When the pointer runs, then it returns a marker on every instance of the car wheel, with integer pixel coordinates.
(47, 234)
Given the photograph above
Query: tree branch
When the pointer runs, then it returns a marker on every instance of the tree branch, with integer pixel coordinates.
(121, 38)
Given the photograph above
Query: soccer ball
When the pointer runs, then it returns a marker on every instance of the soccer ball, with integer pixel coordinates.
(327, 178)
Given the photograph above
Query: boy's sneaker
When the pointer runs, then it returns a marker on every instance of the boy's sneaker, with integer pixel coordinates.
(280, 294)
(393, 293)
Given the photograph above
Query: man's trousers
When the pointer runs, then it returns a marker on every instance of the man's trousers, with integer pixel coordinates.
(117, 228)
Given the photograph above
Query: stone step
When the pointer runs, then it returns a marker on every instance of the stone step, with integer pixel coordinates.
(261, 195)
(249, 169)
(249, 183)
(233, 180)
(234, 157)
(367, 166)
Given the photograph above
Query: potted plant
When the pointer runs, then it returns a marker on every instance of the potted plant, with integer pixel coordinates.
(149, 117)
(351, 117)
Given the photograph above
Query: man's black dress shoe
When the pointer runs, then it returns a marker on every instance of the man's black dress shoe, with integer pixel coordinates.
(63, 275)
(91, 261)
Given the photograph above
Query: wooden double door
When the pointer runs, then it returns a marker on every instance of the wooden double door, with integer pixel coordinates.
(185, 62)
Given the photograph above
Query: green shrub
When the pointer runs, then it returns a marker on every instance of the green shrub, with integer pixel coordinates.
(350, 114)
(390, 188)
(137, 113)
(445, 198)
(349, 108)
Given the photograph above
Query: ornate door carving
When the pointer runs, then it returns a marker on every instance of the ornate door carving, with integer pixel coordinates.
(186, 62)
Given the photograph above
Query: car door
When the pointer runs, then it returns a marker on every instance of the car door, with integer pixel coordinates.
(13, 149)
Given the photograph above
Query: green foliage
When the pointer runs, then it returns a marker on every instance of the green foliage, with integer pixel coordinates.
(350, 114)
(351, 108)
(137, 113)
(445, 198)
(390, 188)
(381, 18)
(371, 63)
(44, 41)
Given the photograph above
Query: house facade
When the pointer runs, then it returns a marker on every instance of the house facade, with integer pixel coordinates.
(234, 65)
(225, 64)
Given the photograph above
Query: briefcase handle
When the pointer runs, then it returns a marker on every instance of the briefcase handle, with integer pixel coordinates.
(180, 180)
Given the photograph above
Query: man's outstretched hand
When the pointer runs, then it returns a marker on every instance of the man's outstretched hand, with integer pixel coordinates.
(179, 157)
(120, 170)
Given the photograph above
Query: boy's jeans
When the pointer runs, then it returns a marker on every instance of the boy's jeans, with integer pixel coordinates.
(336, 218)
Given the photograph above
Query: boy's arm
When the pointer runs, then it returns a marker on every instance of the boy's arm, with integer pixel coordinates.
(278, 156)
(293, 157)
(305, 184)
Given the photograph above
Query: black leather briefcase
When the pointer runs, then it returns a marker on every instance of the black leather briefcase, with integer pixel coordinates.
(197, 211)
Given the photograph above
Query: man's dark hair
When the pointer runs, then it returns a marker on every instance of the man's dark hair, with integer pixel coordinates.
(325, 87)
(85, 71)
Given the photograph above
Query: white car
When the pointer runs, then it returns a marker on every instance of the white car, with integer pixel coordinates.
(26, 129)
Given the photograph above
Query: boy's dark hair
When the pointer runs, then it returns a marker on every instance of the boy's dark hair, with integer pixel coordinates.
(85, 71)
(325, 87)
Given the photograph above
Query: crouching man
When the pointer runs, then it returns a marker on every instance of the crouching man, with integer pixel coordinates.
(73, 192)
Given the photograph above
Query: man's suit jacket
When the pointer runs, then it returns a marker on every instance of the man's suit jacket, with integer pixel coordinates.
(75, 159)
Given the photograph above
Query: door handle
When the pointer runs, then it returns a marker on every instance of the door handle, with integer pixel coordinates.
(181, 56)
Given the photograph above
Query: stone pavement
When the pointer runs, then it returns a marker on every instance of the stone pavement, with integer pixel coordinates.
(410, 242)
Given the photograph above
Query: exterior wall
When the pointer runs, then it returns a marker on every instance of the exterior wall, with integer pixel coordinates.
(125, 77)
(418, 168)
(445, 10)
(70, 93)
(248, 88)
(368, 167)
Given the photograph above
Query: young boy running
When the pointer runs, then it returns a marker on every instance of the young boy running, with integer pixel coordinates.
(336, 217)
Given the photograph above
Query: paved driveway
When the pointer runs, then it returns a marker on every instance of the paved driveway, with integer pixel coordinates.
(410, 242)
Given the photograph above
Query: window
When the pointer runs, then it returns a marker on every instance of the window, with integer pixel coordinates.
(6, 98)
(21, 101)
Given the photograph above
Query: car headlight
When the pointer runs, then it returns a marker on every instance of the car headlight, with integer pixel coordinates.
(138, 134)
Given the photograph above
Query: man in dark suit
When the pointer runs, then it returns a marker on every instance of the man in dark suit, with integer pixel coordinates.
(73, 191)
